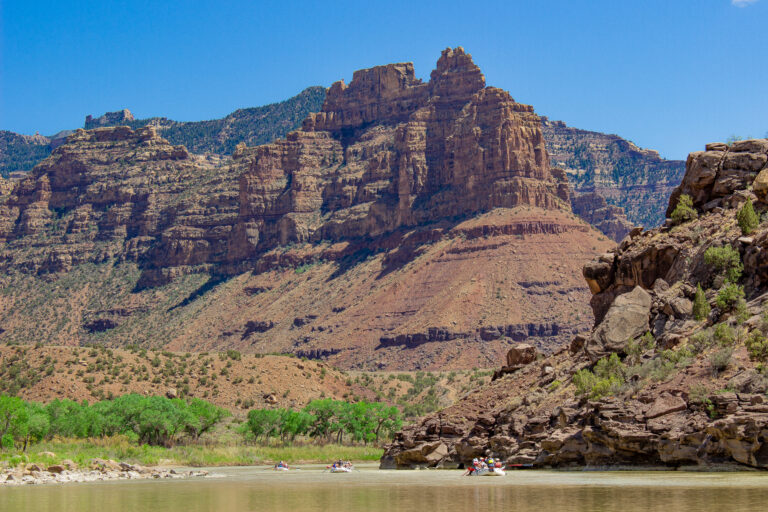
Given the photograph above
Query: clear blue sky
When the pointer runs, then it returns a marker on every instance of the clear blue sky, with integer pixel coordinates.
(667, 74)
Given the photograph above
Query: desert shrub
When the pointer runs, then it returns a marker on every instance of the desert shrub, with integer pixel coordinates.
(684, 210)
(719, 361)
(554, 385)
(636, 348)
(729, 297)
(747, 218)
(701, 341)
(726, 261)
(757, 346)
(607, 378)
(724, 335)
(701, 307)
(698, 393)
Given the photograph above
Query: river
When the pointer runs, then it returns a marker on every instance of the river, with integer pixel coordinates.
(310, 489)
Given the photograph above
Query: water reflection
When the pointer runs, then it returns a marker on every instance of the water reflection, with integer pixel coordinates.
(256, 489)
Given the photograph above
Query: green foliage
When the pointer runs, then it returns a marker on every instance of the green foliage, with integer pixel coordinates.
(747, 218)
(325, 419)
(684, 210)
(701, 308)
(20, 153)
(152, 420)
(724, 335)
(607, 378)
(719, 361)
(726, 260)
(636, 348)
(729, 296)
(757, 347)
(701, 341)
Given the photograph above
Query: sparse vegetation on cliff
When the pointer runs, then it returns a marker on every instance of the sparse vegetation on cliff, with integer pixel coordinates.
(684, 211)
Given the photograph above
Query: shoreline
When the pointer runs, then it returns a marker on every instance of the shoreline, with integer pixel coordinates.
(99, 470)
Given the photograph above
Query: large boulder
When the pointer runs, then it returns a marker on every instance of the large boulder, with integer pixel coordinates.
(521, 354)
(626, 319)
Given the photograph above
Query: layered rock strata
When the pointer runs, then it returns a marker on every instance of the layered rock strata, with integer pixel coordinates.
(690, 393)
(626, 176)
(400, 209)
(608, 219)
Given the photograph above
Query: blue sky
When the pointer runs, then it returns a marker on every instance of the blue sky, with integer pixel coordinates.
(669, 74)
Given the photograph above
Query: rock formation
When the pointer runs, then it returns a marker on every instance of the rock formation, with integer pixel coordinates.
(608, 219)
(119, 118)
(635, 179)
(402, 216)
(655, 383)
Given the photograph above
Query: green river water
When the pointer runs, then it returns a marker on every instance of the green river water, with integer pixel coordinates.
(310, 489)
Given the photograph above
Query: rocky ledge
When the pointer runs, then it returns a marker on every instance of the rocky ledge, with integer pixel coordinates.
(99, 469)
(675, 371)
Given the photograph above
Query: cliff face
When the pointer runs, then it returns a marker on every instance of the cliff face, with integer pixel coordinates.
(388, 151)
(608, 219)
(635, 179)
(660, 380)
(406, 225)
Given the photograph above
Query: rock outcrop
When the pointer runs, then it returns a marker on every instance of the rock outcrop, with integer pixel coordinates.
(119, 118)
(608, 219)
(654, 384)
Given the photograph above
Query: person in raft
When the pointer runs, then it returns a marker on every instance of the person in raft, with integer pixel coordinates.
(281, 464)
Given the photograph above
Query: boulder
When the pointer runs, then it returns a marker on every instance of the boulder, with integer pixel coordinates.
(760, 185)
(56, 468)
(521, 354)
(626, 319)
(666, 404)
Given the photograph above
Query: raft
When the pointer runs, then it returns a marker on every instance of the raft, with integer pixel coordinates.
(340, 470)
(490, 472)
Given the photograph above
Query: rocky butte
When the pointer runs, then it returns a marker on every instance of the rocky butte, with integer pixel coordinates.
(673, 372)
(407, 224)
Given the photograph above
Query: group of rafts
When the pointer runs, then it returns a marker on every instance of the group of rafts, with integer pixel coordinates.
(339, 466)
(479, 467)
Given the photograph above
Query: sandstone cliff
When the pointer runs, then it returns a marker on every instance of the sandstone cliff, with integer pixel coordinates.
(407, 224)
(665, 378)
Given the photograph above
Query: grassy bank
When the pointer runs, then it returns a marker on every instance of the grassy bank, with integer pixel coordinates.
(119, 448)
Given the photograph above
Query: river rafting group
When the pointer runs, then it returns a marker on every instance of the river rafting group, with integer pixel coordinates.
(479, 467)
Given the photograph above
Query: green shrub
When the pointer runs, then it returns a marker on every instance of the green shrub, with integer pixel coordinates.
(636, 348)
(729, 297)
(684, 210)
(719, 361)
(701, 341)
(726, 260)
(701, 307)
(555, 385)
(724, 335)
(757, 346)
(606, 379)
(747, 218)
